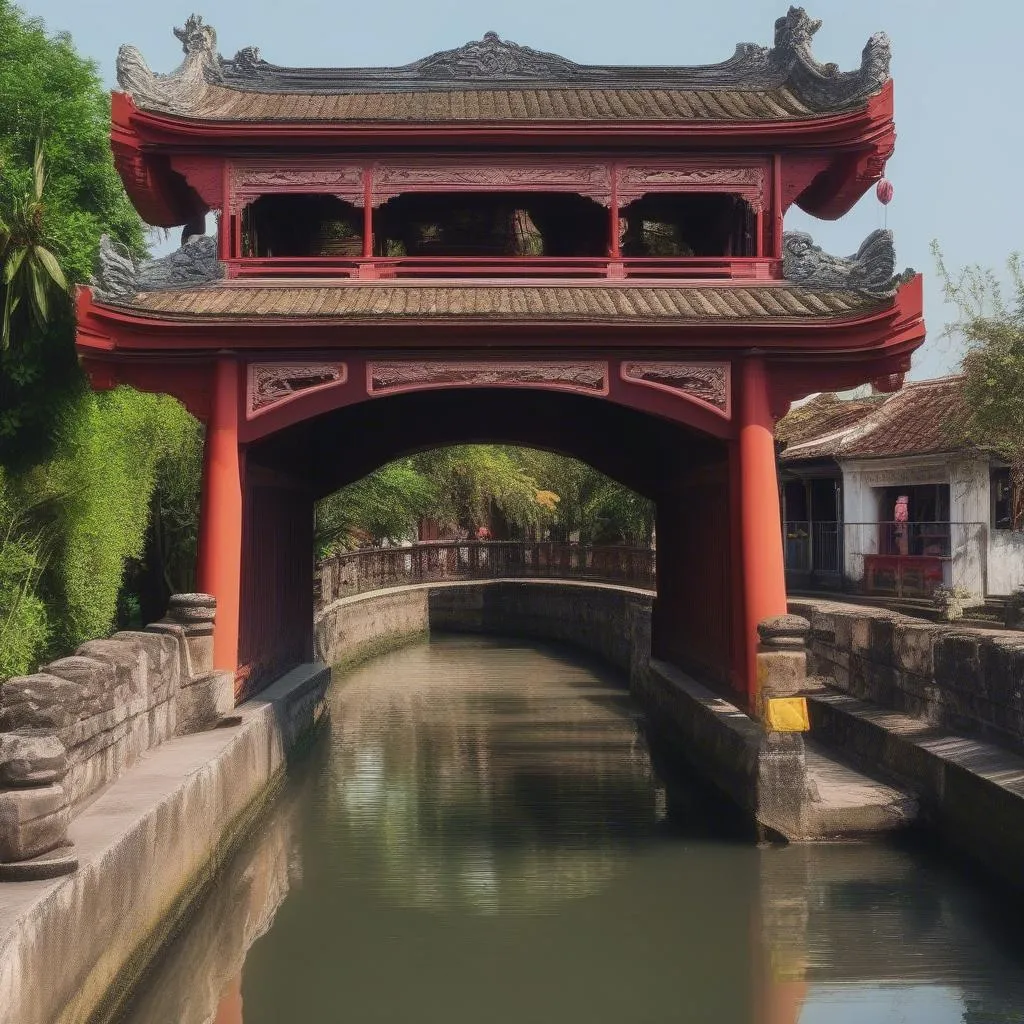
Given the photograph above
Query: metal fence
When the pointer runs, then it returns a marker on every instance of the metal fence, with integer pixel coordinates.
(357, 572)
(882, 557)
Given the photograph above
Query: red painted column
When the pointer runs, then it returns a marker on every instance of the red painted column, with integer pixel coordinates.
(764, 576)
(220, 523)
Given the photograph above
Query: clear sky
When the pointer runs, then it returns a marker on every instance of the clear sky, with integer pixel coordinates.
(957, 68)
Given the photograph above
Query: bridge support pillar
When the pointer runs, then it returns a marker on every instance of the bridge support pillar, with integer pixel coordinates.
(220, 523)
(763, 571)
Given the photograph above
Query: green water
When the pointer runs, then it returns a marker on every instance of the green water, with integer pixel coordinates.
(479, 835)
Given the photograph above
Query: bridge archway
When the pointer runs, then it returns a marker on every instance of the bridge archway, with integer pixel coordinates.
(693, 475)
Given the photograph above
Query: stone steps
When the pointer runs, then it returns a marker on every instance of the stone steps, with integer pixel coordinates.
(846, 803)
(970, 791)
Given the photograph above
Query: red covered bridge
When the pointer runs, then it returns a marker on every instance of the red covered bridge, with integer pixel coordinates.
(499, 244)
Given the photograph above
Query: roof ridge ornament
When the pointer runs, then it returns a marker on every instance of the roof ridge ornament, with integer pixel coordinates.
(494, 58)
(179, 90)
(870, 270)
(820, 84)
(118, 276)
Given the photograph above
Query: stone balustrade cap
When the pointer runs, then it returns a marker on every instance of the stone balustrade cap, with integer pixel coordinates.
(789, 631)
(192, 608)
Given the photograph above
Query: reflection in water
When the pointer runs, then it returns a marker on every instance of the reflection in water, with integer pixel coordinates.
(482, 837)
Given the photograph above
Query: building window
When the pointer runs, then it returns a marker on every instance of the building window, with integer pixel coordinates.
(1002, 500)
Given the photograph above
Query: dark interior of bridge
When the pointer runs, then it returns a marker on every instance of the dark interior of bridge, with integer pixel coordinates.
(685, 473)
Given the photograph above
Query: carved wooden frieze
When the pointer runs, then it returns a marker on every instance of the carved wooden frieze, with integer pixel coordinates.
(637, 181)
(270, 385)
(394, 376)
(586, 179)
(707, 384)
(251, 180)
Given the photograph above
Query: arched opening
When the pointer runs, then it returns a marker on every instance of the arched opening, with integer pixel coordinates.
(302, 224)
(684, 473)
(491, 224)
(688, 225)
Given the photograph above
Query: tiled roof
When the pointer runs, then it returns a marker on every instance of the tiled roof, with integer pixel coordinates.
(923, 418)
(823, 416)
(519, 302)
(216, 103)
(498, 80)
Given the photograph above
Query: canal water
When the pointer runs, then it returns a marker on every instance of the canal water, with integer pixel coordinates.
(478, 835)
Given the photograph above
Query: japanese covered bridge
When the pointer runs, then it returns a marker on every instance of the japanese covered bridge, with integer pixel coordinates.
(498, 244)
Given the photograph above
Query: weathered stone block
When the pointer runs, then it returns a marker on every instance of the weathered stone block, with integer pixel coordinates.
(30, 757)
(912, 648)
(40, 701)
(204, 702)
(162, 650)
(32, 821)
(958, 660)
(97, 679)
(781, 673)
(129, 661)
(882, 639)
(860, 635)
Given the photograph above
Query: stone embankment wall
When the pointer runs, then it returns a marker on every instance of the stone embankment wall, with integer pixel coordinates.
(591, 616)
(77, 724)
(968, 681)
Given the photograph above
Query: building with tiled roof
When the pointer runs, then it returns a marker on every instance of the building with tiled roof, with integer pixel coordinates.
(890, 494)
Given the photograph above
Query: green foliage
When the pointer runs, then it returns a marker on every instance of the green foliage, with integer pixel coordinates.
(991, 321)
(469, 479)
(24, 623)
(49, 93)
(462, 486)
(96, 490)
(386, 505)
(32, 277)
(596, 508)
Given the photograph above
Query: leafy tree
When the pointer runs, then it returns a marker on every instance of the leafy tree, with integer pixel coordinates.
(591, 505)
(991, 321)
(384, 506)
(471, 479)
(32, 277)
(462, 486)
(51, 93)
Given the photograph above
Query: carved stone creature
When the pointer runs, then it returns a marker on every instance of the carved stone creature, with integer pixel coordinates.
(824, 85)
(117, 275)
(870, 270)
(179, 90)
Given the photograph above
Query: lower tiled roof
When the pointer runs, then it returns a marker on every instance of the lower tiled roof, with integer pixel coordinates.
(600, 303)
(923, 418)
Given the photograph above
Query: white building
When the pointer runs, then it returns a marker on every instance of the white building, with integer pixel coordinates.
(884, 494)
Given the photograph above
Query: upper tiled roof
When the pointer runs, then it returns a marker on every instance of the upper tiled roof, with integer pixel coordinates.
(496, 80)
(923, 418)
(522, 302)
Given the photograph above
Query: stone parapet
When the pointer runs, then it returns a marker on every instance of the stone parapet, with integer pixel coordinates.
(969, 681)
(78, 723)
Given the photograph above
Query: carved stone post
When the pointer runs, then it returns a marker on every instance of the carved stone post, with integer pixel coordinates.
(205, 694)
(34, 810)
(782, 672)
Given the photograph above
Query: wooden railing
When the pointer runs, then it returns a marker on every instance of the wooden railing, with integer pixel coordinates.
(357, 572)
(387, 268)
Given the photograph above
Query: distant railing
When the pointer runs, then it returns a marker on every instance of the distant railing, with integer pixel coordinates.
(386, 268)
(896, 558)
(357, 572)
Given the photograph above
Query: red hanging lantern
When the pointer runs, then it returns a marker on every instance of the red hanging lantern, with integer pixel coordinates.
(884, 191)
